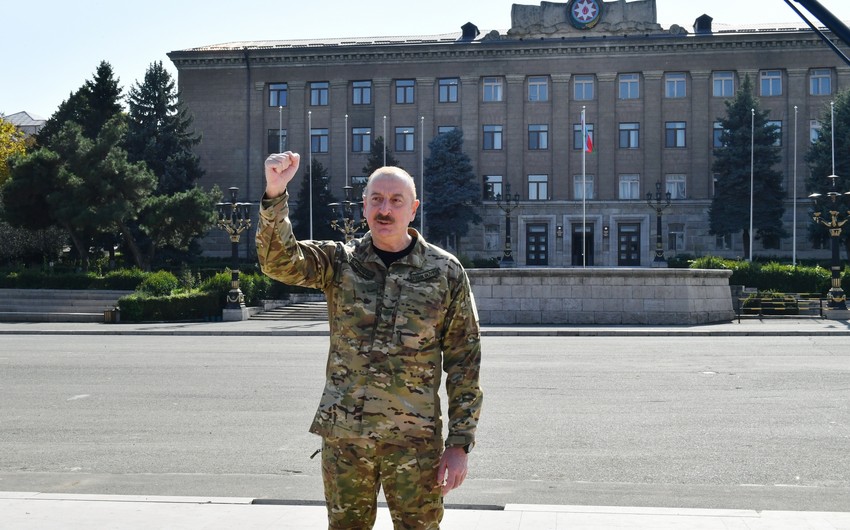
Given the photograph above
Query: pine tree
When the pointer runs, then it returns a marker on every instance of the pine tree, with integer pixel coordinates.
(376, 157)
(747, 134)
(820, 159)
(451, 190)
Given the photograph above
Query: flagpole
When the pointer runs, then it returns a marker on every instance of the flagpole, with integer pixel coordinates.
(583, 188)
(422, 175)
(794, 225)
(310, 162)
(385, 140)
(752, 175)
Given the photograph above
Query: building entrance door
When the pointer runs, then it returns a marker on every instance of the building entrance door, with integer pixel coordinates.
(628, 254)
(537, 245)
(582, 245)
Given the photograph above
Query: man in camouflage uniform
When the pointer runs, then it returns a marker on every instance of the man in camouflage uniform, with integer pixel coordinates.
(401, 312)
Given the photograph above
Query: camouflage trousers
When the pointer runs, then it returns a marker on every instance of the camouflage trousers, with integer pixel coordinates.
(354, 470)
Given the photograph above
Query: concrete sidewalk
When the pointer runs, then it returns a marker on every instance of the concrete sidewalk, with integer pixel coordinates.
(27, 510)
(747, 326)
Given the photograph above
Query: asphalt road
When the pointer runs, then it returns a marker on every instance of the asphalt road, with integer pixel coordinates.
(715, 422)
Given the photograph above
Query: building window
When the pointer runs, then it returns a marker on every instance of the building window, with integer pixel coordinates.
(538, 88)
(814, 130)
(361, 93)
(538, 137)
(629, 187)
(583, 192)
(443, 129)
(361, 139)
(723, 242)
(492, 137)
(319, 93)
(492, 187)
(723, 84)
(448, 89)
(319, 140)
(675, 85)
(404, 91)
(777, 125)
(278, 93)
(492, 237)
(676, 237)
(583, 87)
(404, 139)
(578, 137)
(820, 82)
(538, 187)
(629, 135)
(629, 86)
(277, 140)
(717, 134)
(493, 88)
(771, 83)
(674, 134)
(675, 186)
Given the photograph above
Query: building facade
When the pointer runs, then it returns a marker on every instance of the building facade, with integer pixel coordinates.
(651, 97)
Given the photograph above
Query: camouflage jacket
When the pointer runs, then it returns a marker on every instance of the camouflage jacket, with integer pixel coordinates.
(393, 332)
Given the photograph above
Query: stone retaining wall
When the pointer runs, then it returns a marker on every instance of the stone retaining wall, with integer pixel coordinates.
(602, 296)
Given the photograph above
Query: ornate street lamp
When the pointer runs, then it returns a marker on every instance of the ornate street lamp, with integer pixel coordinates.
(659, 207)
(836, 298)
(510, 204)
(234, 218)
(347, 219)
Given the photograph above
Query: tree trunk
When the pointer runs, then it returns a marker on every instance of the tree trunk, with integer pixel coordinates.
(746, 233)
(81, 250)
(134, 247)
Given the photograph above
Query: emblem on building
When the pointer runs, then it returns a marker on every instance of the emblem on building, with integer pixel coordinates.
(584, 14)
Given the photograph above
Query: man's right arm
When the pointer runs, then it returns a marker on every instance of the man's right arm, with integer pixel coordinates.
(280, 255)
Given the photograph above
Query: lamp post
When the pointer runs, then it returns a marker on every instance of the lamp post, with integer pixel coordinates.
(347, 220)
(234, 218)
(510, 204)
(659, 207)
(836, 298)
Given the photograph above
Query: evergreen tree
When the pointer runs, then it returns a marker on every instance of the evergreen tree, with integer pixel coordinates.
(820, 159)
(746, 132)
(376, 157)
(12, 142)
(322, 213)
(91, 106)
(159, 134)
(451, 191)
(85, 186)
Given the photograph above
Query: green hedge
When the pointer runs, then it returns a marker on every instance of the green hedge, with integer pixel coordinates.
(125, 280)
(775, 276)
(139, 307)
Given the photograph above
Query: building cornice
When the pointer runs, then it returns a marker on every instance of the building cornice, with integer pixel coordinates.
(505, 49)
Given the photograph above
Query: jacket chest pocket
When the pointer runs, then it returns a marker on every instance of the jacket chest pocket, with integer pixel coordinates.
(358, 295)
(420, 309)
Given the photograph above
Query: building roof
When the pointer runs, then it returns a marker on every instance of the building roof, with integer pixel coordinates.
(24, 119)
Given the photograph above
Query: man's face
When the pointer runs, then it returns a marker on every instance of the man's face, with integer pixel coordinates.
(389, 207)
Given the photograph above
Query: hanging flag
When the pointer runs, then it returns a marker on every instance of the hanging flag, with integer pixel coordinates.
(586, 135)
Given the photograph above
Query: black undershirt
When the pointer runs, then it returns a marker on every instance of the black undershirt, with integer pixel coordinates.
(391, 257)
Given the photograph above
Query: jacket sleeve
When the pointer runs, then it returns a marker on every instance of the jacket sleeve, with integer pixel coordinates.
(282, 257)
(461, 345)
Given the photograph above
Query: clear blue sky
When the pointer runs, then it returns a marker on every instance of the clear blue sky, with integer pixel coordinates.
(54, 46)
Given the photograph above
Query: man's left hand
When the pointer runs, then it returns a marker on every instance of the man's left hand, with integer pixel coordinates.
(453, 468)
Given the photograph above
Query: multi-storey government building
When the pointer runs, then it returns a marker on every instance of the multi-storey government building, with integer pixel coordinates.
(652, 97)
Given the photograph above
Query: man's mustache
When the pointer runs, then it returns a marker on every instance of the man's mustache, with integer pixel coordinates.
(381, 217)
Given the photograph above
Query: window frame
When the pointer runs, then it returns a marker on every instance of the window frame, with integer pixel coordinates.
(493, 88)
(361, 92)
(405, 91)
(538, 183)
(589, 186)
(721, 79)
(319, 140)
(631, 181)
(578, 136)
(361, 139)
(631, 83)
(275, 94)
(581, 85)
(675, 85)
(405, 139)
(448, 90)
(772, 79)
(676, 184)
(538, 88)
(319, 93)
(538, 137)
(818, 77)
(675, 137)
(493, 133)
(629, 135)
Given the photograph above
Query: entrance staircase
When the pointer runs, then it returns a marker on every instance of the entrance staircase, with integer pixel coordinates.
(56, 305)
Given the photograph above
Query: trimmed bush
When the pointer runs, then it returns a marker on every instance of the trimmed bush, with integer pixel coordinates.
(138, 307)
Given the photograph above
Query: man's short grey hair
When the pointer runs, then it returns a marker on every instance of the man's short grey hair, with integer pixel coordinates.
(394, 171)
